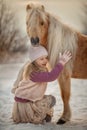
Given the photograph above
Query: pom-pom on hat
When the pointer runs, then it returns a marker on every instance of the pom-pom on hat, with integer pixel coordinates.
(37, 52)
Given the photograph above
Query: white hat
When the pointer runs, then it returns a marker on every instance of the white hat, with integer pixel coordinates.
(37, 52)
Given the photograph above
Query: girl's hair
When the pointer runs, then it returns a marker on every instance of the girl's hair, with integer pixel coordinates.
(29, 68)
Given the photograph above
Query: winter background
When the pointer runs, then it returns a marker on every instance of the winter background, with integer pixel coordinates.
(71, 12)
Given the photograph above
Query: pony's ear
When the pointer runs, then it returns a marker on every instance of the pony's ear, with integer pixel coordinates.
(31, 5)
(28, 7)
(42, 7)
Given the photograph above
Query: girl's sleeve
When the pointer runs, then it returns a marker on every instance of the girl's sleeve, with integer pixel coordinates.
(47, 76)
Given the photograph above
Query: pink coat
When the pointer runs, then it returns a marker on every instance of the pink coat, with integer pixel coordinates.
(30, 90)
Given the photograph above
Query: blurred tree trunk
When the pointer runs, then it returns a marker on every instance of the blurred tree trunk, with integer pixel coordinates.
(85, 18)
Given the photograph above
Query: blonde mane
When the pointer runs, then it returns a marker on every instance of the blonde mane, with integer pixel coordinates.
(60, 38)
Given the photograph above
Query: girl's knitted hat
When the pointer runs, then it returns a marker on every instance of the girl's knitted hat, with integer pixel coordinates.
(37, 52)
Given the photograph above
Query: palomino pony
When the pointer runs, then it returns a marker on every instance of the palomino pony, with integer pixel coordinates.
(45, 29)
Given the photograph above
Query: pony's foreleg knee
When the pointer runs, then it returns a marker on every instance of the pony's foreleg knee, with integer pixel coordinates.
(65, 83)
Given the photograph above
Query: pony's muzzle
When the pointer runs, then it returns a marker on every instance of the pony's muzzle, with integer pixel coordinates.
(34, 41)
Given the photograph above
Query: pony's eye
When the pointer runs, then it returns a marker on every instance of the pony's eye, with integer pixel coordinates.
(42, 23)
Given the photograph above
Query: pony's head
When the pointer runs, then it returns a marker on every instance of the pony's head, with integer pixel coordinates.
(37, 24)
(47, 30)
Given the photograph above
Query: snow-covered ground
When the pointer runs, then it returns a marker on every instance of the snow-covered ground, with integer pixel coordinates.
(8, 73)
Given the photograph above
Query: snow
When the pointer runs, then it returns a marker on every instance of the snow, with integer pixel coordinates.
(78, 102)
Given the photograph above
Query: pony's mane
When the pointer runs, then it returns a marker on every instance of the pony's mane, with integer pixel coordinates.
(60, 38)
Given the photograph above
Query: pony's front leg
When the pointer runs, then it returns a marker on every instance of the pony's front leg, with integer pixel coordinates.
(65, 84)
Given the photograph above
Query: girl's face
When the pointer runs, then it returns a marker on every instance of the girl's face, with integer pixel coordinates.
(42, 61)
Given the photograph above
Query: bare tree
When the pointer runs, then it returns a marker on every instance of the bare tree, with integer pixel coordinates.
(11, 39)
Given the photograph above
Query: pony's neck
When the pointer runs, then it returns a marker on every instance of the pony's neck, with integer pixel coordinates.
(60, 38)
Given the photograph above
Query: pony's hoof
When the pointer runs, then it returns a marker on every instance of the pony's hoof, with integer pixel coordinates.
(48, 118)
(61, 122)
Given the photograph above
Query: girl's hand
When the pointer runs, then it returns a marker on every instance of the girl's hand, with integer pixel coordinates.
(63, 59)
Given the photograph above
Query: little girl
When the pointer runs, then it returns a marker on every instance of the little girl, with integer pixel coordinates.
(31, 104)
